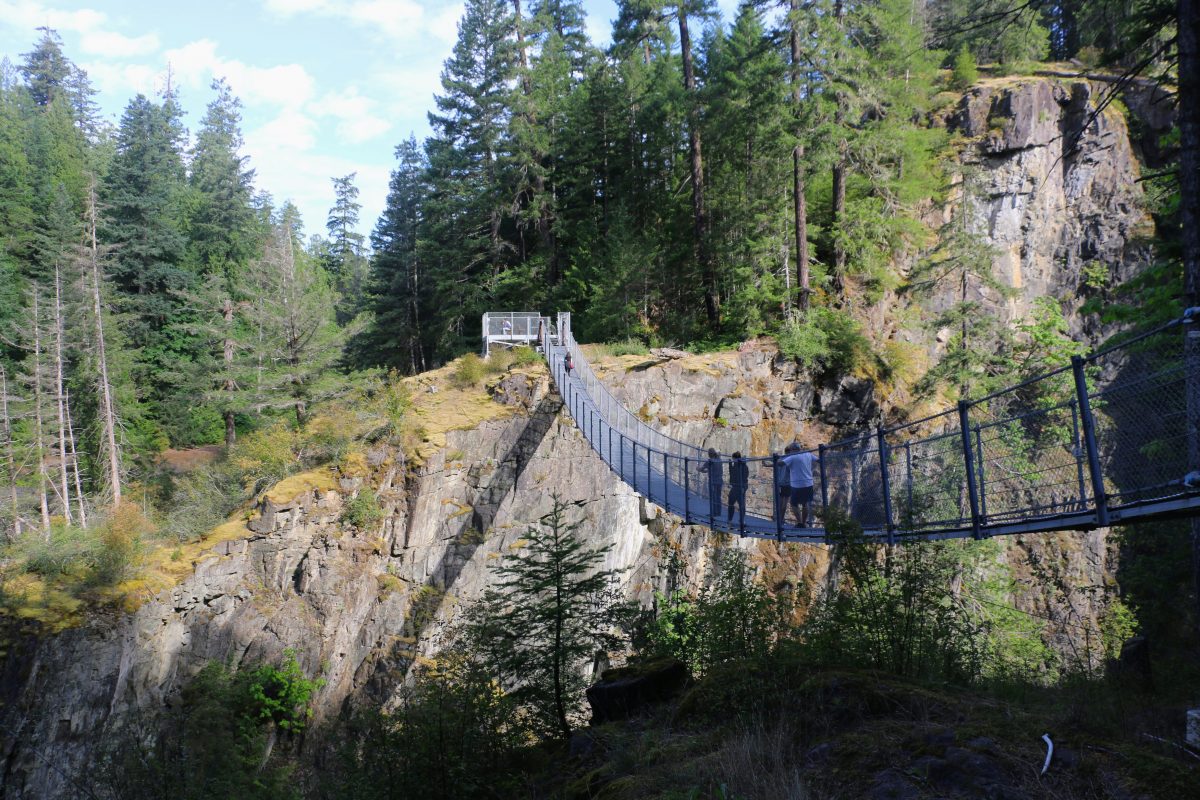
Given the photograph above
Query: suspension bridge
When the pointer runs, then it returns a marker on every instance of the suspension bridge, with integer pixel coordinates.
(1109, 438)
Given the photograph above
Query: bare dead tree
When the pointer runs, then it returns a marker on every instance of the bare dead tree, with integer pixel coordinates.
(108, 413)
(38, 434)
(9, 452)
(75, 461)
(60, 398)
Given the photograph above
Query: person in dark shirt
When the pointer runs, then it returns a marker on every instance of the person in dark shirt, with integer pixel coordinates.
(739, 480)
(715, 482)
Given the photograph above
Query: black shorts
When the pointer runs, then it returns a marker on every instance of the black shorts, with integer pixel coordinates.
(802, 495)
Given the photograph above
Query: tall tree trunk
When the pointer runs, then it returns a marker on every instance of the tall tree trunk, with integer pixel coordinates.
(839, 168)
(9, 454)
(800, 211)
(39, 436)
(108, 413)
(545, 223)
(60, 398)
(75, 463)
(700, 244)
(229, 385)
(1188, 32)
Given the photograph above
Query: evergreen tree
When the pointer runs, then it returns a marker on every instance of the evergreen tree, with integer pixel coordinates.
(220, 220)
(399, 294)
(142, 197)
(46, 69)
(549, 612)
(463, 246)
(290, 340)
(343, 257)
(749, 146)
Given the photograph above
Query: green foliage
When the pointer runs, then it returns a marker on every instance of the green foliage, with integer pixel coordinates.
(281, 695)
(1096, 275)
(219, 740)
(963, 73)
(453, 735)
(548, 612)
(732, 619)
(627, 347)
(891, 611)
(825, 340)
(468, 371)
(364, 511)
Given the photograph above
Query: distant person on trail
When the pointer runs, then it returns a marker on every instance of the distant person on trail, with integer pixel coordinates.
(715, 482)
(568, 363)
(783, 485)
(739, 479)
(800, 480)
(506, 328)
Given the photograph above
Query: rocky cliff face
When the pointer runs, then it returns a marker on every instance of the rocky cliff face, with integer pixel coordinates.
(361, 606)
(1051, 181)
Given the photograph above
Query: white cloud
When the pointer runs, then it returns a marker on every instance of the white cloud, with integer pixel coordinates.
(393, 19)
(95, 38)
(122, 79)
(286, 85)
(302, 176)
(444, 24)
(116, 45)
(292, 130)
(357, 120)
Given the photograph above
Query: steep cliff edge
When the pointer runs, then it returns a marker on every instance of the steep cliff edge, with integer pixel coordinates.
(361, 606)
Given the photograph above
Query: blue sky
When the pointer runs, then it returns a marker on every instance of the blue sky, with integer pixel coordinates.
(329, 87)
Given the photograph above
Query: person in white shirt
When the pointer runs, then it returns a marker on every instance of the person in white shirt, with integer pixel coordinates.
(799, 467)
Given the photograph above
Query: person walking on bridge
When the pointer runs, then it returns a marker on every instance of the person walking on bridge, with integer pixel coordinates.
(739, 479)
(783, 484)
(799, 467)
(716, 483)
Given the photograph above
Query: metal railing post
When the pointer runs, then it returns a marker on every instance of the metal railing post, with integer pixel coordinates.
(687, 491)
(908, 468)
(779, 512)
(621, 455)
(889, 525)
(964, 427)
(983, 512)
(1099, 495)
(824, 486)
(1077, 451)
(635, 486)
(666, 493)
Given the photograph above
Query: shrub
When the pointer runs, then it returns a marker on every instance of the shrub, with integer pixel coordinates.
(202, 499)
(218, 740)
(827, 340)
(524, 356)
(733, 619)
(363, 512)
(281, 695)
(118, 544)
(964, 72)
(468, 372)
(265, 457)
(65, 550)
(628, 347)
(896, 613)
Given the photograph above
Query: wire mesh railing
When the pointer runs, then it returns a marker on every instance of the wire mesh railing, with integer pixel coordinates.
(1108, 438)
